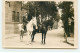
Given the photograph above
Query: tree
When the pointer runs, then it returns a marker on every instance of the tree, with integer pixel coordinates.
(40, 7)
(67, 12)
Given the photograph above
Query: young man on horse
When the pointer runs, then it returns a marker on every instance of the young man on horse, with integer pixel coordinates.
(42, 28)
(39, 22)
(25, 22)
(22, 26)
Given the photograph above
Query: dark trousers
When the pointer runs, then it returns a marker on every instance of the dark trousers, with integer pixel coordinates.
(25, 29)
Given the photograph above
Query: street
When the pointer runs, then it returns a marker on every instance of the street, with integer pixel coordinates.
(54, 39)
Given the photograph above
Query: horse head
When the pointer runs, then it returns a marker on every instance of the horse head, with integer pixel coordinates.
(34, 21)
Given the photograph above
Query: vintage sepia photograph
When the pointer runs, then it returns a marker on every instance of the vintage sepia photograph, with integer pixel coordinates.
(40, 24)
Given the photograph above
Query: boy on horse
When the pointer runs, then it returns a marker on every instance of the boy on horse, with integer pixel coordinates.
(25, 22)
(39, 22)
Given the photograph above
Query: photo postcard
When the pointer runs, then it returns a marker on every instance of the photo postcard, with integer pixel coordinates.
(41, 24)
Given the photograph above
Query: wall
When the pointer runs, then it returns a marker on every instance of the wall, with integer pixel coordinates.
(10, 6)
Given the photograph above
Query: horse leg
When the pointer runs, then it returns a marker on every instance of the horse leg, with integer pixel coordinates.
(30, 34)
(42, 38)
(22, 34)
(29, 37)
(64, 35)
(32, 38)
(33, 34)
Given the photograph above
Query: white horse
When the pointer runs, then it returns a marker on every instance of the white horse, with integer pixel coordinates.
(29, 27)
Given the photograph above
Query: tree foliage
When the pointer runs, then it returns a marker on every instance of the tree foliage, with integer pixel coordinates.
(67, 10)
(40, 7)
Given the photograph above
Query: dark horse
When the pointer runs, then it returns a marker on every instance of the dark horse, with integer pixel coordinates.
(43, 29)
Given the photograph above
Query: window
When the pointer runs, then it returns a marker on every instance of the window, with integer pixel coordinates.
(13, 16)
(9, 4)
(17, 19)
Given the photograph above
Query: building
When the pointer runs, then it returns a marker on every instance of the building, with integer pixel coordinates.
(13, 16)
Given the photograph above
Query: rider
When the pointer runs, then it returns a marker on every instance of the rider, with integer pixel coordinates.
(39, 22)
(25, 22)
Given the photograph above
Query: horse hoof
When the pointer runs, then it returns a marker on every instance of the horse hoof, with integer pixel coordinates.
(32, 41)
(41, 42)
(21, 41)
(44, 43)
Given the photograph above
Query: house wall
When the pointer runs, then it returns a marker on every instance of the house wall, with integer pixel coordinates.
(10, 25)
